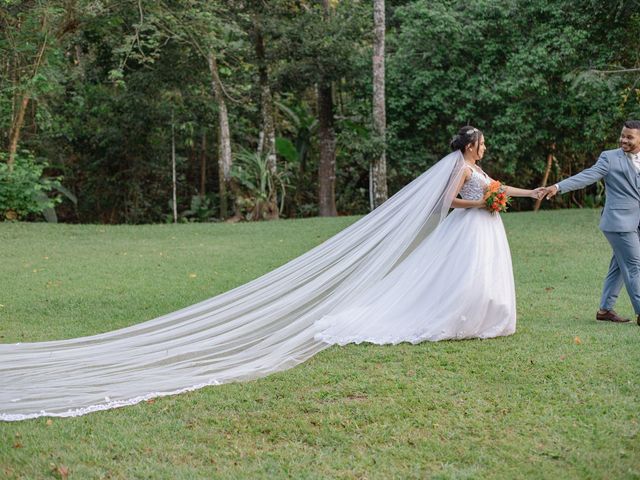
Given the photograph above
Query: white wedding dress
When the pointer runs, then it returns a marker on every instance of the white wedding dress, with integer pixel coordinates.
(458, 283)
(405, 272)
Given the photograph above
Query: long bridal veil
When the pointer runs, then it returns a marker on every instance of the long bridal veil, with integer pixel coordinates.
(258, 328)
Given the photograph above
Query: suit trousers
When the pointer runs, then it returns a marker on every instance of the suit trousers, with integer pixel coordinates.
(624, 268)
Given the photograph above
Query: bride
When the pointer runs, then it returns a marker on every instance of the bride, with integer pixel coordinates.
(407, 272)
(458, 283)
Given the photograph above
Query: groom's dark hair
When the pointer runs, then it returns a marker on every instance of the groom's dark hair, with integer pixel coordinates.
(633, 124)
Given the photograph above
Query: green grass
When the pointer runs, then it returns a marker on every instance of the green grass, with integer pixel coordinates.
(559, 399)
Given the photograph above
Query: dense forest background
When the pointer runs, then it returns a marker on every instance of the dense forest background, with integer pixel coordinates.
(124, 111)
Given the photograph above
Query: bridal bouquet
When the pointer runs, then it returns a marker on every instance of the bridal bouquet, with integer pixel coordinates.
(496, 198)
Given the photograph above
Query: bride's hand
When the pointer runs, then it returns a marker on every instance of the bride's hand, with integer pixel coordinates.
(538, 193)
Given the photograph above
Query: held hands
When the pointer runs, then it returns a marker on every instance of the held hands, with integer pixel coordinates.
(544, 192)
(539, 193)
(550, 192)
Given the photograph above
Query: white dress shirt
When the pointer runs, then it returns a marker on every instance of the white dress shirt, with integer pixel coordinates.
(635, 159)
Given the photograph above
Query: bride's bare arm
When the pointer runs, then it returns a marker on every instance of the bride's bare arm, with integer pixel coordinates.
(521, 192)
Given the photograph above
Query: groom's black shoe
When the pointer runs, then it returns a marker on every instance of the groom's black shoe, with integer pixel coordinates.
(638, 320)
(611, 316)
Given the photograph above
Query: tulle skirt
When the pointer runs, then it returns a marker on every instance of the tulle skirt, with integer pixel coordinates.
(458, 283)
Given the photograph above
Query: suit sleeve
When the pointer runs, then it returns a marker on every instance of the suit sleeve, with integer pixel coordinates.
(587, 176)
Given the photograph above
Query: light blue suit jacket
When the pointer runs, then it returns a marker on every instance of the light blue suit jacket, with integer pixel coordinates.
(622, 183)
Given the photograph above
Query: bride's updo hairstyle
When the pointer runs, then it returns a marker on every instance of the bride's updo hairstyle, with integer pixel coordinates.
(467, 135)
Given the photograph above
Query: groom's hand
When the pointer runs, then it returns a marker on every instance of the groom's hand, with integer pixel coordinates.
(551, 191)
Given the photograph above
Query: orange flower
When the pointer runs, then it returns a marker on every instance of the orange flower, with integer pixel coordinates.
(494, 186)
(496, 198)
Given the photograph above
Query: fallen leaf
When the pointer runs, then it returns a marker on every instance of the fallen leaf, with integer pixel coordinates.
(192, 275)
(577, 340)
(151, 400)
(61, 470)
(17, 445)
(49, 422)
(548, 289)
(562, 357)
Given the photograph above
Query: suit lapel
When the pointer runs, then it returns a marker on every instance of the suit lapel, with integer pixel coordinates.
(628, 169)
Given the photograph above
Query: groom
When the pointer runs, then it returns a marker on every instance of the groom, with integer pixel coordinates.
(620, 221)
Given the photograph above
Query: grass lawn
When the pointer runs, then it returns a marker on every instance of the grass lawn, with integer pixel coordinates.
(559, 399)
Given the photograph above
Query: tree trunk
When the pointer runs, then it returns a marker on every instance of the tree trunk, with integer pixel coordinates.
(267, 143)
(79, 60)
(547, 170)
(15, 130)
(266, 100)
(379, 165)
(18, 120)
(173, 171)
(326, 133)
(203, 165)
(224, 136)
(327, 169)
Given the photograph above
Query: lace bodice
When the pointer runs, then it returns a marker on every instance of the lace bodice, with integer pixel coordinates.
(474, 187)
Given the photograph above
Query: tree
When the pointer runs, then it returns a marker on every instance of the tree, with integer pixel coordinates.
(85, 86)
(30, 36)
(224, 135)
(378, 173)
(267, 139)
(327, 166)
(314, 45)
(203, 26)
(509, 68)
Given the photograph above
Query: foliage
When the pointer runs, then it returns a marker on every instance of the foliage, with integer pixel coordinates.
(510, 68)
(537, 76)
(32, 60)
(200, 210)
(354, 162)
(261, 192)
(24, 190)
(298, 148)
